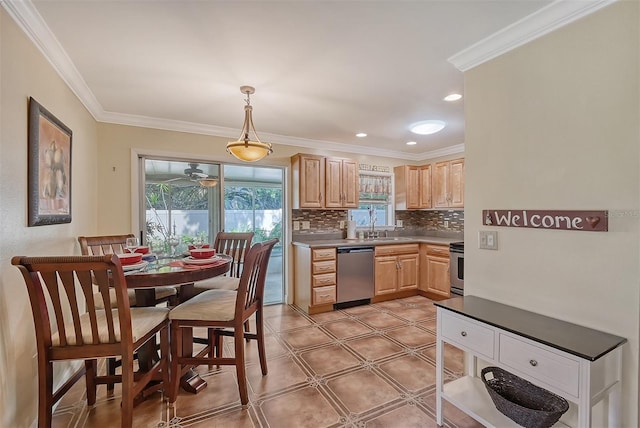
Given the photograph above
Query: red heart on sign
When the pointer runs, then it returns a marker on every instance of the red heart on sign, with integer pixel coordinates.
(593, 221)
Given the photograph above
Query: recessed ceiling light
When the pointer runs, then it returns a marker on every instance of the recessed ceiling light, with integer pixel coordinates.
(427, 127)
(361, 135)
(452, 97)
(411, 143)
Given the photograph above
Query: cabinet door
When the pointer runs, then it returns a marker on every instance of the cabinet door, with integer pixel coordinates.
(439, 184)
(350, 185)
(413, 187)
(456, 183)
(311, 181)
(408, 271)
(438, 280)
(386, 275)
(425, 186)
(333, 187)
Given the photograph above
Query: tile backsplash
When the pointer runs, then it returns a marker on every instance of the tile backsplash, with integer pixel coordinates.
(328, 221)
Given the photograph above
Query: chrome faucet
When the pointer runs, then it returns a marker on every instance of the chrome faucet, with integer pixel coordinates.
(372, 221)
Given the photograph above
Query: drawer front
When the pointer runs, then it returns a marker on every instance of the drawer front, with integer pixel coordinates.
(392, 250)
(324, 295)
(438, 250)
(553, 369)
(467, 333)
(323, 267)
(323, 254)
(323, 280)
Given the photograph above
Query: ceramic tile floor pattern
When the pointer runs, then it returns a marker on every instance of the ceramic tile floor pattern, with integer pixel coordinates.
(366, 366)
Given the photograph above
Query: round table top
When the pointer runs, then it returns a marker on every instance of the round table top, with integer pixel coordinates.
(173, 271)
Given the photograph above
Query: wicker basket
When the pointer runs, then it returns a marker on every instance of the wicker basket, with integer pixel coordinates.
(523, 402)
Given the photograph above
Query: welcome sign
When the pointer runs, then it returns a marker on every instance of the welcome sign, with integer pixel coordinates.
(587, 221)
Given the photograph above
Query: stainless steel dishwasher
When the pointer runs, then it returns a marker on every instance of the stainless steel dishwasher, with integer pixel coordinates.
(355, 275)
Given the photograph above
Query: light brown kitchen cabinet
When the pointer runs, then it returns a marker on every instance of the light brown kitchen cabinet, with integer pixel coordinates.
(396, 268)
(412, 187)
(434, 270)
(320, 182)
(314, 278)
(341, 183)
(448, 184)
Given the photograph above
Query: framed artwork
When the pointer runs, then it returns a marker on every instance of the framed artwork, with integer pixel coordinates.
(49, 168)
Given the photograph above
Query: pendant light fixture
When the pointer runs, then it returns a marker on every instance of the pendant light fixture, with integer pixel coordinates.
(245, 148)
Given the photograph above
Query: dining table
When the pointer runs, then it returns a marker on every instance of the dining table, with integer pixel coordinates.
(182, 272)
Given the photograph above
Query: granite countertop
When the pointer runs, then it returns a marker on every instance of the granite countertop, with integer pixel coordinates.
(320, 243)
(575, 339)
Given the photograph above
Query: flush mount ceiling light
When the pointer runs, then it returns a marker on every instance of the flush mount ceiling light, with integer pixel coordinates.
(361, 135)
(245, 148)
(411, 143)
(452, 97)
(427, 127)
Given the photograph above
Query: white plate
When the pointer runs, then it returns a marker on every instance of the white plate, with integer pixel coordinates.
(134, 266)
(193, 261)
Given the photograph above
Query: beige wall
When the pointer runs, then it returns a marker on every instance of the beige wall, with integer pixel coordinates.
(24, 73)
(554, 125)
(117, 143)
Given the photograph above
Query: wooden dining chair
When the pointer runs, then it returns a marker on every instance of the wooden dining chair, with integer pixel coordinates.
(69, 326)
(234, 244)
(115, 244)
(223, 313)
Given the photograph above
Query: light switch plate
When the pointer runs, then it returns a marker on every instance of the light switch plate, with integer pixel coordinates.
(341, 224)
(306, 225)
(398, 223)
(488, 240)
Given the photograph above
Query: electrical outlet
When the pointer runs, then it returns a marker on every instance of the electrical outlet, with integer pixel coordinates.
(398, 223)
(306, 225)
(446, 223)
(488, 240)
(296, 225)
(341, 224)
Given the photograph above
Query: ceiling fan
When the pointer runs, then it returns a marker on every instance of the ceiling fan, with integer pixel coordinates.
(195, 174)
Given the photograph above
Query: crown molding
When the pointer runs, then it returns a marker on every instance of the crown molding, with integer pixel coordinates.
(549, 18)
(219, 131)
(30, 21)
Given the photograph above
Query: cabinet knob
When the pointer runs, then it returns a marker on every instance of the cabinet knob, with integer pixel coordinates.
(533, 363)
(464, 334)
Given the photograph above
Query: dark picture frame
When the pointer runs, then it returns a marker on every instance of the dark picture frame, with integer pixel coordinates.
(49, 167)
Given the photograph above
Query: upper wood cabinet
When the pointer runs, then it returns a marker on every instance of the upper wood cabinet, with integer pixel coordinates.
(412, 187)
(448, 184)
(341, 183)
(320, 182)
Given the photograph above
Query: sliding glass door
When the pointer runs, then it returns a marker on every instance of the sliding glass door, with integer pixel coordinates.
(184, 200)
(253, 202)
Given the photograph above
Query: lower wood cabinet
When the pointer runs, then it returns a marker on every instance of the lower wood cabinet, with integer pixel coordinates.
(314, 278)
(434, 272)
(396, 268)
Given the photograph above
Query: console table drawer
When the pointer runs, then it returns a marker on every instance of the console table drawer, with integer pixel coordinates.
(468, 334)
(553, 369)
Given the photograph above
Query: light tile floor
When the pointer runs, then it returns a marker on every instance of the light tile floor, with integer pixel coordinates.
(366, 366)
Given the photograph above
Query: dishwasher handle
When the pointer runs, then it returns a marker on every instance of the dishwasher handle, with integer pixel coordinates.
(343, 250)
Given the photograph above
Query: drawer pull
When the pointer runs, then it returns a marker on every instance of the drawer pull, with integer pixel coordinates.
(464, 334)
(533, 363)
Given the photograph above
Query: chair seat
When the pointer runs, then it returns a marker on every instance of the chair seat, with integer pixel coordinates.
(211, 305)
(143, 320)
(161, 293)
(217, 283)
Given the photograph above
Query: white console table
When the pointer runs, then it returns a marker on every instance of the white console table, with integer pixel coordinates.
(578, 363)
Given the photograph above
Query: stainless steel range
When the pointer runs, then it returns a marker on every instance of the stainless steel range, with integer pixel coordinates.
(456, 268)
